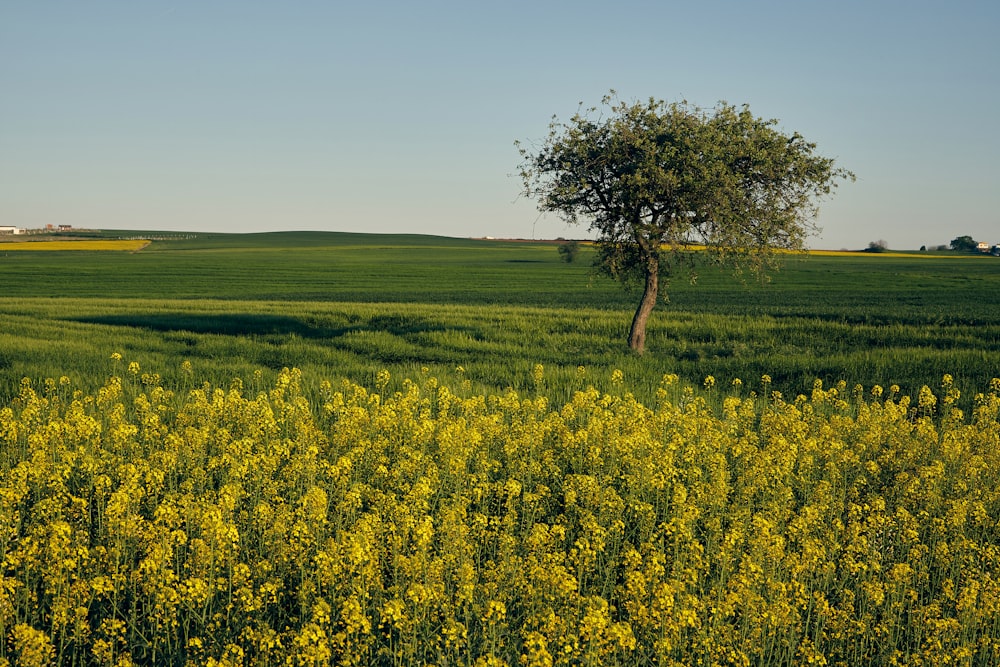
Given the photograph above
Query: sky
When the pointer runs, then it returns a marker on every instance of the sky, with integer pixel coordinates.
(389, 117)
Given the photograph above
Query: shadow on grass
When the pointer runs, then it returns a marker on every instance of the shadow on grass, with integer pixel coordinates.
(247, 324)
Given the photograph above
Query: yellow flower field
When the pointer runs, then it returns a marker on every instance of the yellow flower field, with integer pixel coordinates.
(201, 525)
(887, 253)
(695, 247)
(127, 245)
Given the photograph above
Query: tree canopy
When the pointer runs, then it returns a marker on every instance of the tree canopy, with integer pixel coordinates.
(660, 181)
(964, 244)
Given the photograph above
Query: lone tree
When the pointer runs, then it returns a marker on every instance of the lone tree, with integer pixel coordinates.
(569, 250)
(665, 184)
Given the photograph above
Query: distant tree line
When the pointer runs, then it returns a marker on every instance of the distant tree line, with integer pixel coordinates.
(959, 244)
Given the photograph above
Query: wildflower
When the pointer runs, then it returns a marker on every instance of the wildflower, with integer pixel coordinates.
(536, 653)
(393, 614)
(353, 618)
(926, 400)
(33, 646)
(495, 611)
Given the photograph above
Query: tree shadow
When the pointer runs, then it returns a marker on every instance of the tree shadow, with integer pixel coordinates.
(231, 324)
(255, 324)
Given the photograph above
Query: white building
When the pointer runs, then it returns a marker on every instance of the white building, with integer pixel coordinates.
(9, 229)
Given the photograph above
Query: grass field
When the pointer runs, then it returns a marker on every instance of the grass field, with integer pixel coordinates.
(348, 306)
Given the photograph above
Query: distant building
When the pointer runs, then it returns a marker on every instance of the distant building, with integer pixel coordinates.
(65, 228)
(983, 246)
(9, 229)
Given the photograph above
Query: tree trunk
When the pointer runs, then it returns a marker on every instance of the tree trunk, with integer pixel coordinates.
(637, 335)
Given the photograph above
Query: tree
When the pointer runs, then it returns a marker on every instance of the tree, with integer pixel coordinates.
(877, 246)
(653, 179)
(569, 250)
(964, 244)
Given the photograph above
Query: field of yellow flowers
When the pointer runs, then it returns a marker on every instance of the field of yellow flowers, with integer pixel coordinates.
(36, 245)
(149, 525)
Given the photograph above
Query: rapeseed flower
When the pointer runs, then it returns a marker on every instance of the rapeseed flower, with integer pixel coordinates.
(360, 526)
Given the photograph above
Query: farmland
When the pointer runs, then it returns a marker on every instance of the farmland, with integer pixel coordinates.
(348, 306)
(326, 448)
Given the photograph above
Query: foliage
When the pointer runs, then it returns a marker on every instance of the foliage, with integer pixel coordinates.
(568, 251)
(196, 524)
(964, 244)
(877, 246)
(652, 178)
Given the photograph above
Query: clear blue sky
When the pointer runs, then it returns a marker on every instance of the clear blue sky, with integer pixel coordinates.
(224, 115)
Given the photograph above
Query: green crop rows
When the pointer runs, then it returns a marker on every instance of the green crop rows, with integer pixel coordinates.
(350, 305)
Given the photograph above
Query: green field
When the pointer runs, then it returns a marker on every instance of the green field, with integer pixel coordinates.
(350, 305)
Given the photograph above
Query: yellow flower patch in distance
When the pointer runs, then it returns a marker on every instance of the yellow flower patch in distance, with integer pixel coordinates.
(120, 245)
